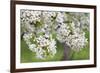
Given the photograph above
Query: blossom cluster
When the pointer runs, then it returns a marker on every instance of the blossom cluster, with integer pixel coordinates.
(73, 36)
(44, 46)
(40, 26)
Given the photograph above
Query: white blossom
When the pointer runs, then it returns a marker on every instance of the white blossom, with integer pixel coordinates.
(43, 44)
(68, 28)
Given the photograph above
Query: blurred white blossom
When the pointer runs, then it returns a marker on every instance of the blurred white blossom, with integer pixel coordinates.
(43, 46)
